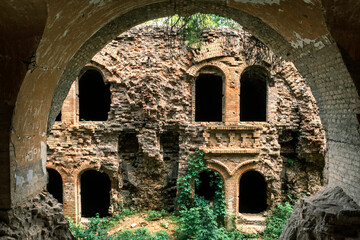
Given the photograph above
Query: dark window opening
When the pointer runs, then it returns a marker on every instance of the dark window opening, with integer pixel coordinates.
(208, 185)
(94, 97)
(253, 93)
(208, 98)
(252, 197)
(55, 186)
(128, 143)
(58, 117)
(95, 194)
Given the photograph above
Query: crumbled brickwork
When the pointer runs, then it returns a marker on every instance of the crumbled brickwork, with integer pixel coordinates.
(151, 131)
(41, 217)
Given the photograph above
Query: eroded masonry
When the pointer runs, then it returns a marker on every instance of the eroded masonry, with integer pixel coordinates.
(145, 103)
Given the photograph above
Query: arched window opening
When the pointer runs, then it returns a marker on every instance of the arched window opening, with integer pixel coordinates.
(208, 98)
(209, 185)
(94, 97)
(252, 197)
(55, 186)
(95, 194)
(253, 94)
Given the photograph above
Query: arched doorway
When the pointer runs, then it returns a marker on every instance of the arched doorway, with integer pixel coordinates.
(95, 193)
(252, 197)
(253, 94)
(54, 185)
(94, 97)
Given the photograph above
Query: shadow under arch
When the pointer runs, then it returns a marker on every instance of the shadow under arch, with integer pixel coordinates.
(124, 22)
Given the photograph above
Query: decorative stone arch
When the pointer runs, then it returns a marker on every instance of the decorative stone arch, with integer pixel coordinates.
(105, 73)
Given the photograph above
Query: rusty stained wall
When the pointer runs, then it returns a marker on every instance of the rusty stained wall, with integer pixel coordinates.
(151, 77)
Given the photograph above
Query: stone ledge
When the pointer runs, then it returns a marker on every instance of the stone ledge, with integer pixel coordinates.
(231, 151)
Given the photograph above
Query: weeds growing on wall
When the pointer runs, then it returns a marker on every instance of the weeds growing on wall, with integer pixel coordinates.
(199, 218)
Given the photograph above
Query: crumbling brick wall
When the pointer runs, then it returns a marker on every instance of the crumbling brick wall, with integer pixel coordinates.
(151, 75)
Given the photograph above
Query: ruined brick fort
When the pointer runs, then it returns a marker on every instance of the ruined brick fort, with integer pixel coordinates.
(45, 45)
(145, 102)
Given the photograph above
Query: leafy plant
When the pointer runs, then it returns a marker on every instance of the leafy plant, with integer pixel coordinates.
(192, 27)
(276, 221)
(140, 234)
(155, 215)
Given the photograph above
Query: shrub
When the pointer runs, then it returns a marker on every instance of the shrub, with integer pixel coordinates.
(276, 221)
(155, 215)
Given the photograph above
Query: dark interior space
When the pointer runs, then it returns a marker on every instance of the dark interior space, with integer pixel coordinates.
(208, 98)
(288, 140)
(54, 185)
(207, 184)
(94, 97)
(253, 95)
(252, 197)
(128, 143)
(95, 194)
(58, 117)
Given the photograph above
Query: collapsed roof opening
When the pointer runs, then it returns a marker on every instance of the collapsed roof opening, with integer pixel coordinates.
(208, 98)
(94, 97)
(95, 193)
(253, 94)
(252, 197)
(54, 185)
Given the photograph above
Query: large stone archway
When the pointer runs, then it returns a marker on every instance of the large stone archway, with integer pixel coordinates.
(45, 43)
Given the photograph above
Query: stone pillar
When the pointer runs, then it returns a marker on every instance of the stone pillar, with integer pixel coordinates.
(70, 198)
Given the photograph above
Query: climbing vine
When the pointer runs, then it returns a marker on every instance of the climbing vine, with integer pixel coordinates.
(186, 199)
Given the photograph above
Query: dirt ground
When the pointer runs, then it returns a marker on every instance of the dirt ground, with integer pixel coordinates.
(137, 221)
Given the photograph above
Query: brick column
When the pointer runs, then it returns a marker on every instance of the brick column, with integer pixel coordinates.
(69, 110)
